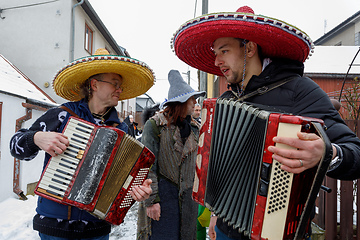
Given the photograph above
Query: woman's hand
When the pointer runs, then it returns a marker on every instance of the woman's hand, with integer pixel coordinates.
(154, 211)
(212, 233)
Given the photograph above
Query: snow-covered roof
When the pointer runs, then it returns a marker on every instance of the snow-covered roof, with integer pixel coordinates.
(333, 60)
(13, 81)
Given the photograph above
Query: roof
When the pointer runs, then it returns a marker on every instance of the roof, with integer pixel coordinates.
(142, 101)
(14, 82)
(333, 60)
(101, 27)
(335, 30)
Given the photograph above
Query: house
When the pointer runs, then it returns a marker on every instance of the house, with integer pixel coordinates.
(142, 102)
(333, 68)
(21, 102)
(43, 36)
(338, 69)
(346, 33)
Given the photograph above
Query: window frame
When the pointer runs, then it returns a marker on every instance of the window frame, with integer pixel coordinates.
(88, 39)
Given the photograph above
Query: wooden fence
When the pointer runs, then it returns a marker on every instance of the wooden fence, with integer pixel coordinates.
(338, 211)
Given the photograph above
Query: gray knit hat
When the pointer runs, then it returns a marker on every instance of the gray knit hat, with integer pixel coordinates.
(179, 90)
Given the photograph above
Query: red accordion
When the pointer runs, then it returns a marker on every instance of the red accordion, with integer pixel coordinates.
(237, 178)
(97, 170)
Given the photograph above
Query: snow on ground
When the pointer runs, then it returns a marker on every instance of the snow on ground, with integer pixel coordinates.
(16, 221)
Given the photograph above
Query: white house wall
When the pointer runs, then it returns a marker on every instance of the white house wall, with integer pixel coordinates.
(99, 41)
(29, 170)
(37, 38)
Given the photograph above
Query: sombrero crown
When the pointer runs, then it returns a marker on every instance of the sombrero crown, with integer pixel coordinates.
(137, 76)
(193, 41)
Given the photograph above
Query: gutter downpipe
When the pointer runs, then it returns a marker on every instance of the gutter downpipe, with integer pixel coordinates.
(19, 121)
(72, 40)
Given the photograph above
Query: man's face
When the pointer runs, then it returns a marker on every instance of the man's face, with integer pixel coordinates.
(107, 90)
(229, 58)
(197, 111)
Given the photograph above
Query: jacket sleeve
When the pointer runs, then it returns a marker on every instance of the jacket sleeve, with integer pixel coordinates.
(123, 126)
(22, 144)
(150, 138)
(314, 102)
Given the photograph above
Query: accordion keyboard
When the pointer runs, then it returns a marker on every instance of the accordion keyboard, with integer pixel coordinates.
(61, 168)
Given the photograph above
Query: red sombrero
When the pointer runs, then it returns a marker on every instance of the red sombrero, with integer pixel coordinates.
(193, 41)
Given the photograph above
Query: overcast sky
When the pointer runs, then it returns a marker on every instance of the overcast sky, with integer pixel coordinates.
(145, 27)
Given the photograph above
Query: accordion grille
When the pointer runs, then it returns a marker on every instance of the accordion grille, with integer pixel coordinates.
(124, 160)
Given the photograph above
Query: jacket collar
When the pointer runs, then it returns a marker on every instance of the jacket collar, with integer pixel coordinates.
(85, 113)
(278, 69)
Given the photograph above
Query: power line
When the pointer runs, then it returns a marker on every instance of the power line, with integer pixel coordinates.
(348, 73)
(29, 5)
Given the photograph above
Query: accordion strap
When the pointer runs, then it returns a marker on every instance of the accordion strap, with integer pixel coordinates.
(316, 185)
(69, 111)
(264, 89)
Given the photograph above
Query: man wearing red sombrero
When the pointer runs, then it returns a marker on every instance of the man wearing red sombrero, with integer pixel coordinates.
(93, 85)
(252, 52)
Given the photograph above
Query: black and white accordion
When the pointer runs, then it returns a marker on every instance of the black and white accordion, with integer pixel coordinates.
(97, 170)
(237, 178)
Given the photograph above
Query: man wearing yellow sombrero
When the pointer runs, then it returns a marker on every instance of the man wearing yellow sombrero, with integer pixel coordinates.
(258, 52)
(94, 85)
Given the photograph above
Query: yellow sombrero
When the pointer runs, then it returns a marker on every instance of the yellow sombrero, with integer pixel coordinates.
(137, 76)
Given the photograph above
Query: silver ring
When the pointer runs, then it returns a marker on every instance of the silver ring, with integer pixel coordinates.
(301, 163)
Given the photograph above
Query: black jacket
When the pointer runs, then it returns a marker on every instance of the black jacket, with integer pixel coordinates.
(302, 96)
(132, 127)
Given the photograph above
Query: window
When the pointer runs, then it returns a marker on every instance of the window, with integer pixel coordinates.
(357, 39)
(89, 36)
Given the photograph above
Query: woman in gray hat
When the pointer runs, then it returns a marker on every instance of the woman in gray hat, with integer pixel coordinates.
(172, 135)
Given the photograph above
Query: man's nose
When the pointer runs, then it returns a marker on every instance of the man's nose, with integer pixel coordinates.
(218, 61)
(119, 90)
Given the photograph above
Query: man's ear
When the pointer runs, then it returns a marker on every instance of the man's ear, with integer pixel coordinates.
(93, 84)
(251, 49)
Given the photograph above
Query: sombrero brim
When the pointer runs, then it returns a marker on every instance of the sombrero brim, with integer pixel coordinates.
(193, 42)
(137, 77)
